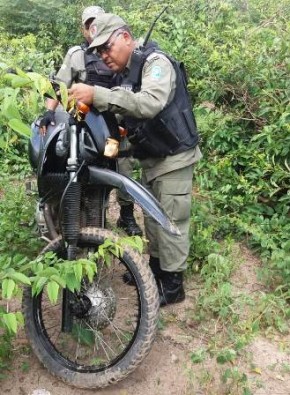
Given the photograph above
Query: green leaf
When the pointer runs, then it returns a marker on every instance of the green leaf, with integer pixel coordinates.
(135, 242)
(86, 261)
(108, 259)
(226, 356)
(59, 280)
(10, 321)
(78, 270)
(139, 243)
(91, 270)
(50, 271)
(71, 282)
(52, 291)
(255, 326)
(38, 285)
(11, 112)
(18, 81)
(21, 278)
(20, 318)
(3, 143)
(226, 375)
(33, 100)
(63, 94)
(39, 267)
(198, 356)
(42, 84)
(20, 127)
(8, 286)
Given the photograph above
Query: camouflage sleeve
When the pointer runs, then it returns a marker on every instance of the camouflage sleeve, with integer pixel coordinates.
(157, 89)
(72, 67)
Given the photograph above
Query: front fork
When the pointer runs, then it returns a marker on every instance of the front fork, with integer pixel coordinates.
(71, 221)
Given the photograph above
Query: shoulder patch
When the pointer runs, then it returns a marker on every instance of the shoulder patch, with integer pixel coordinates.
(74, 49)
(156, 73)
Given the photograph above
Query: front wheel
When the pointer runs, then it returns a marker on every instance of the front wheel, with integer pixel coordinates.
(113, 324)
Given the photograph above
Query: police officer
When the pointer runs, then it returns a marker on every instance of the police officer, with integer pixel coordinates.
(162, 130)
(80, 66)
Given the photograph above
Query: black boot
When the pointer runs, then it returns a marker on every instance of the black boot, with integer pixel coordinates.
(127, 221)
(171, 288)
(154, 266)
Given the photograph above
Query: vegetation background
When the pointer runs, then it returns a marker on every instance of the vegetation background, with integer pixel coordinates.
(237, 55)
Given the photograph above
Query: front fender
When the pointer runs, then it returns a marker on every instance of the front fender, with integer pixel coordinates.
(148, 202)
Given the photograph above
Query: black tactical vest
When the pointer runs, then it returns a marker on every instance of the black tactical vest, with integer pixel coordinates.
(98, 73)
(171, 131)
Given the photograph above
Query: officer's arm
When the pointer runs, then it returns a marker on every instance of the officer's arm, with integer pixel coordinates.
(158, 83)
(68, 73)
(71, 66)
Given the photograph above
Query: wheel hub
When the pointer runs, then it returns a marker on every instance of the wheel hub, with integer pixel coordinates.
(103, 306)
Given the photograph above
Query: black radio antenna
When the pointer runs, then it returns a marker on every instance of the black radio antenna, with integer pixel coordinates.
(152, 26)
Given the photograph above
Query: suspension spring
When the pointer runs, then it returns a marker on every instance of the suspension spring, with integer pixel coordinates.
(71, 213)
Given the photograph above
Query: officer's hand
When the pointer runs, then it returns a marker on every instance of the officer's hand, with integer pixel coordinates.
(47, 119)
(81, 92)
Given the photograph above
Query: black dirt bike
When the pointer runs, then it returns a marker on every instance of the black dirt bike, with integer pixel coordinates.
(97, 336)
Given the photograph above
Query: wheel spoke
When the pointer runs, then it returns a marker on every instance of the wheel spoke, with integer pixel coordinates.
(102, 343)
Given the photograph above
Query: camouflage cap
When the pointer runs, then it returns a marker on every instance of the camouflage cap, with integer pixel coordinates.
(102, 28)
(91, 12)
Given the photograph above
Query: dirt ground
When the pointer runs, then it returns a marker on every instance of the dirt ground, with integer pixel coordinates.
(168, 369)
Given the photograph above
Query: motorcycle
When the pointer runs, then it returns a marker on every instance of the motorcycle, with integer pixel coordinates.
(96, 336)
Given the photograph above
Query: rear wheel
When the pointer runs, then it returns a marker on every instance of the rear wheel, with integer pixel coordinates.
(114, 324)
